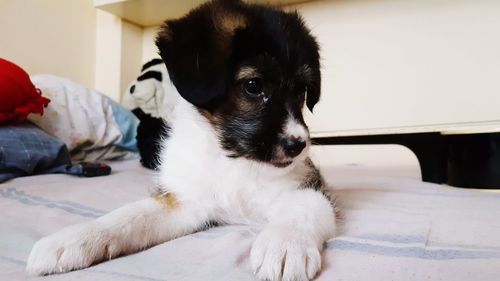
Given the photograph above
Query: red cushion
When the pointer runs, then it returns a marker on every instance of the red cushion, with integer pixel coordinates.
(18, 95)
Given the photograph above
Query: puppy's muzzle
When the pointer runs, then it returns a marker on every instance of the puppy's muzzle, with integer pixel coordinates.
(293, 146)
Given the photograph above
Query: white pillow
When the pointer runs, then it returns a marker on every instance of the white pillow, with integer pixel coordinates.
(92, 126)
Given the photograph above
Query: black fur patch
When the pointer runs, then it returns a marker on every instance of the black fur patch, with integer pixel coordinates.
(149, 133)
(150, 74)
(151, 63)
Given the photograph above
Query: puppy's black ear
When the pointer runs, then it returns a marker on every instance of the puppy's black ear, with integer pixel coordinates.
(196, 50)
(314, 91)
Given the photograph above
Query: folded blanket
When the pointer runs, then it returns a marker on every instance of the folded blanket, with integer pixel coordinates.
(27, 150)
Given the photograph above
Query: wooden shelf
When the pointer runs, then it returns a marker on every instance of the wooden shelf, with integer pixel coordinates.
(154, 12)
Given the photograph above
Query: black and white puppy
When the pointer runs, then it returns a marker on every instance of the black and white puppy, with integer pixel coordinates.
(236, 152)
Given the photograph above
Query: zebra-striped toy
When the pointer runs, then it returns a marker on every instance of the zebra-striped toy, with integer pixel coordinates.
(147, 91)
(150, 97)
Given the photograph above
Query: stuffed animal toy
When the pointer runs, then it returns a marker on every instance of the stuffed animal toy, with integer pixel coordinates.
(151, 97)
(147, 92)
(18, 95)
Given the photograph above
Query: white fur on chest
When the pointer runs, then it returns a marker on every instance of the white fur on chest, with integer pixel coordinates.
(196, 168)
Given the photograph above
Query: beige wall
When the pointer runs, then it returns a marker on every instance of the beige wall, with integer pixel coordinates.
(118, 54)
(71, 38)
(108, 54)
(149, 50)
(50, 36)
(131, 54)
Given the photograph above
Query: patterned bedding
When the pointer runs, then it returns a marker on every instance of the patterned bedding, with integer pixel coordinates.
(27, 150)
(396, 227)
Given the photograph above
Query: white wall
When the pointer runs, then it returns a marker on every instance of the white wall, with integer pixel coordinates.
(50, 36)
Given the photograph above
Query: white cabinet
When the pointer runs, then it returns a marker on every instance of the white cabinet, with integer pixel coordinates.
(391, 65)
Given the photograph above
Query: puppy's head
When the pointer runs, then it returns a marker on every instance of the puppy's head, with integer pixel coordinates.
(249, 69)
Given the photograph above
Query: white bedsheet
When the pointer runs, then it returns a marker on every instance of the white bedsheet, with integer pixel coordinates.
(396, 227)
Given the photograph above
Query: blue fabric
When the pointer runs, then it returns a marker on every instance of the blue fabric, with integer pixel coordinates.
(27, 150)
(127, 124)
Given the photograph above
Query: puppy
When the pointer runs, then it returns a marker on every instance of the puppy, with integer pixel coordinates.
(236, 151)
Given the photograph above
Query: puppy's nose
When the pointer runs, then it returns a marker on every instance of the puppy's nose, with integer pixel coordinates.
(293, 146)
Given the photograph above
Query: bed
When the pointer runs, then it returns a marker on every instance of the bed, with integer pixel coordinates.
(396, 227)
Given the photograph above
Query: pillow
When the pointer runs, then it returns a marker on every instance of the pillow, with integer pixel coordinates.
(18, 96)
(92, 126)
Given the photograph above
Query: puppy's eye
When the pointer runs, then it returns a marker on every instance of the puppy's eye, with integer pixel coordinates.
(253, 87)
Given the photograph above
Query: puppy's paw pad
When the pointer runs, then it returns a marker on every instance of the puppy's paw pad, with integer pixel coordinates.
(282, 254)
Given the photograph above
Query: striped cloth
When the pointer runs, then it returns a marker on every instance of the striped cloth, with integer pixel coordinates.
(395, 226)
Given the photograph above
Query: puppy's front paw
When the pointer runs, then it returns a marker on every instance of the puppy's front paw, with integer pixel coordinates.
(281, 253)
(72, 248)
